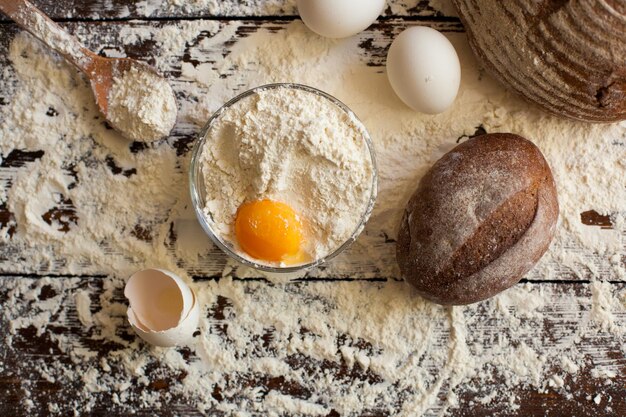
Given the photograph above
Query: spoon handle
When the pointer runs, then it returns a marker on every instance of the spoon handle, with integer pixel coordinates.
(43, 28)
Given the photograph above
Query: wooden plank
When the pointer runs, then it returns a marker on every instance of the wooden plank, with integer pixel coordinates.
(48, 353)
(171, 9)
(208, 43)
(42, 372)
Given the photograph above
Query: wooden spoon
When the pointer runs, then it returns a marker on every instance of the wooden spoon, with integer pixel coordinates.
(100, 71)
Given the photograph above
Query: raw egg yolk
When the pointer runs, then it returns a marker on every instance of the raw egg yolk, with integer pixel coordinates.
(268, 230)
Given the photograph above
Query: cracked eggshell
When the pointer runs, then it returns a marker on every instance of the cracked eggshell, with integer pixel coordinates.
(179, 335)
(163, 309)
(159, 299)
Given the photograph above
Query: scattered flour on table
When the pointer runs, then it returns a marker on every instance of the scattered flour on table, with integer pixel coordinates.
(83, 305)
(380, 334)
(142, 105)
(92, 203)
(274, 7)
(295, 146)
(73, 202)
(242, 8)
(57, 39)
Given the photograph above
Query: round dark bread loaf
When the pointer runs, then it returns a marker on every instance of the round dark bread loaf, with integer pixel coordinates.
(481, 217)
(568, 56)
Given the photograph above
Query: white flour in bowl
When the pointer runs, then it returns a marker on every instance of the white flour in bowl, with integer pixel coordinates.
(294, 146)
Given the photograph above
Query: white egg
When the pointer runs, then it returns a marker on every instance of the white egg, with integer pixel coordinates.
(424, 69)
(163, 309)
(339, 18)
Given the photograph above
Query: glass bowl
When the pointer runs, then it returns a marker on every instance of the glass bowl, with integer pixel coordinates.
(198, 191)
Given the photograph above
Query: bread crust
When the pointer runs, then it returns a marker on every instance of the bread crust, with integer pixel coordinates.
(480, 218)
(567, 56)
